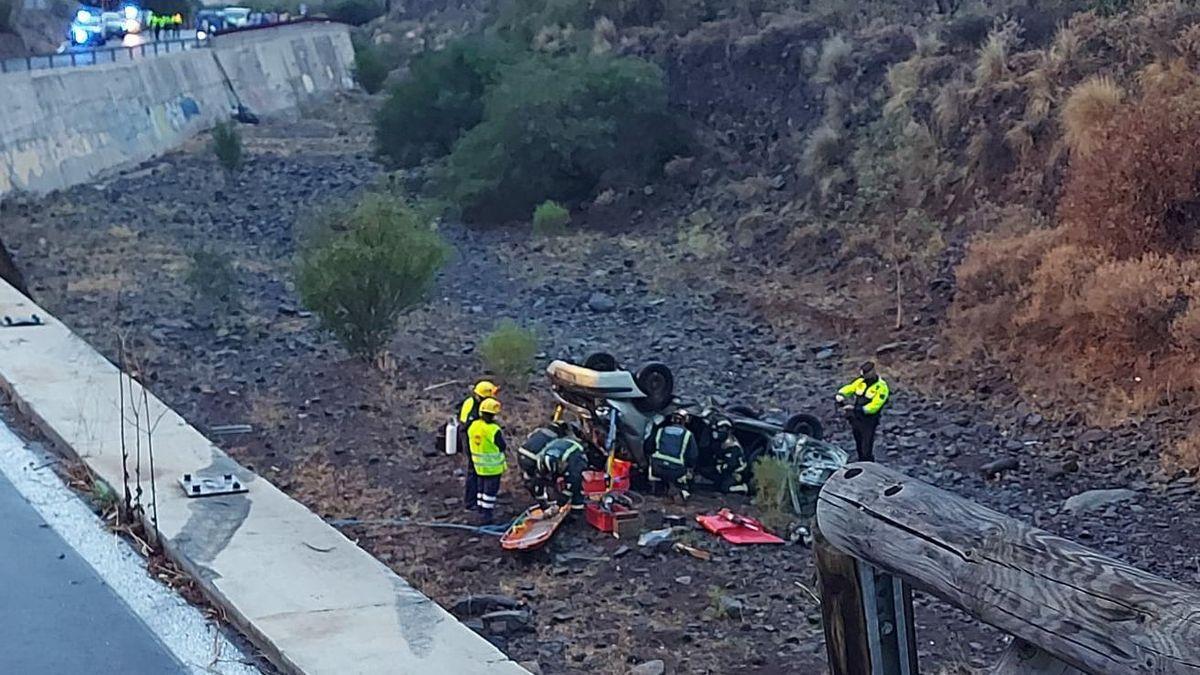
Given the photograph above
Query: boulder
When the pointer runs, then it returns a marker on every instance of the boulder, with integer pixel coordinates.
(655, 667)
(1092, 500)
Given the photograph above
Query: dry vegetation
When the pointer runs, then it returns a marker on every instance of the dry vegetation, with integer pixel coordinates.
(1108, 299)
(1050, 152)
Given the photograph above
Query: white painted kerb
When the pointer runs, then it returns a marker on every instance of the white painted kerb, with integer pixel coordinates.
(311, 599)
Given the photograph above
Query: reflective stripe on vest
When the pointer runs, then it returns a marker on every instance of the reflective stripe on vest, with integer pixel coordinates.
(552, 452)
(485, 454)
(672, 434)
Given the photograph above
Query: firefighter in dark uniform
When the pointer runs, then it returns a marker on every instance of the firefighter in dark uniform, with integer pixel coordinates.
(731, 459)
(675, 454)
(549, 455)
(529, 460)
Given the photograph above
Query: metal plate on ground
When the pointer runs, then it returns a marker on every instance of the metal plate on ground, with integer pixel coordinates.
(195, 485)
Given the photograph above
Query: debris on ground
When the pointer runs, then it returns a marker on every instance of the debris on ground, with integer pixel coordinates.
(698, 553)
(737, 529)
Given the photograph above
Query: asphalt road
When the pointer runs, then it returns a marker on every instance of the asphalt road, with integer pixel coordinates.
(56, 615)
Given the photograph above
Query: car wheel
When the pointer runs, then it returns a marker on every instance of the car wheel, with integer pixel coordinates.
(805, 424)
(658, 384)
(742, 411)
(601, 361)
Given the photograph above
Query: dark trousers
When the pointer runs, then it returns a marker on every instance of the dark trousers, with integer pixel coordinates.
(863, 426)
(471, 487)
(489, 487)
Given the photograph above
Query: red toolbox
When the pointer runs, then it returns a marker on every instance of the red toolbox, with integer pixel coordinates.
(620, 519)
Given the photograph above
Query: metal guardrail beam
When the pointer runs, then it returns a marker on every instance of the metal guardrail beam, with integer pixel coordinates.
(98, 56)
(122, 53)
(1078, 607)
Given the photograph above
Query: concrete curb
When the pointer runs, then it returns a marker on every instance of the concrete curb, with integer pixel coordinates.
(304, 594)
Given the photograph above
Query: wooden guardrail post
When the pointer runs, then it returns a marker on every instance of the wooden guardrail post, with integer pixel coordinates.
(867, 615)
(1080, 608)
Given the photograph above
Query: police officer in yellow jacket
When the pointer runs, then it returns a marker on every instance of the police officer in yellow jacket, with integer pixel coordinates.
(487, 456)
(862, 400)
(468, 412)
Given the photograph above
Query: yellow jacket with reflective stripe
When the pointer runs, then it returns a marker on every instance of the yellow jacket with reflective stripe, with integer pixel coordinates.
(875, 395)
(485, 453)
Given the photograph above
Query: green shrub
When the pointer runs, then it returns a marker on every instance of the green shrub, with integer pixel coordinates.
(355, 12)
(227, 146)
(553, 126)
(442, 97)
(508, 351)
(550, 218)
(772, 492)
(361, 267)
(370, 68)
(213, 281)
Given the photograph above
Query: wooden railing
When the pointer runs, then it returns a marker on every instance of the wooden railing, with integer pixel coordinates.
(882, 534)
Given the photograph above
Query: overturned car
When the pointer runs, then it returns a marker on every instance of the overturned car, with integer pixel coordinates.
(617, 412)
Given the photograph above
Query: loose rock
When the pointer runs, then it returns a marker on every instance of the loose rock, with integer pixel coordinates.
(1092, 500)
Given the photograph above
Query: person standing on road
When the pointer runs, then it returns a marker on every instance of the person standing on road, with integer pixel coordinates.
(468, 412)
(487, 456)
(862, 401)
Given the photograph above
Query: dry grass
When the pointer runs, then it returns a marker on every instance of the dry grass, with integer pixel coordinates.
(267, 412)
(1167, 80)
(1064, 51)
(837, 56)
(604, 35)
(702, 243)
(992, 66)
(823, 150)
(1090, 105)
(948, 106)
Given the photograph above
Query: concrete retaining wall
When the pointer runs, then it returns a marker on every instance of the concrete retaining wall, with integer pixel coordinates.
(63, 127)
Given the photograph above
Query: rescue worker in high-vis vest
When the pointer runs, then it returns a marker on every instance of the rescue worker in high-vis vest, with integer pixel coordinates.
(487, 456)
(862, 401)
(675, 454)
(468, 412)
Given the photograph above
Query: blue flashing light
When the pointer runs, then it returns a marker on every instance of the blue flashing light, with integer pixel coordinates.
(83, 16)
(79, 35)
(131, 12)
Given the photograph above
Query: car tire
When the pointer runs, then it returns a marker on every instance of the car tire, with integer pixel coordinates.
(743, 411)
(601, 361)
(805, 424)
(657, 382)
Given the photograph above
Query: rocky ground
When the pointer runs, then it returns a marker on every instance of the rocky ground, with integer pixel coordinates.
(113, 259)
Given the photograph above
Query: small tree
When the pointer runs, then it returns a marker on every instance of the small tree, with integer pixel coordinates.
(508, 351)
(550, 218)
(370, 68)
(213, 281)
(227, 146)
(366, 266)
(355, 12)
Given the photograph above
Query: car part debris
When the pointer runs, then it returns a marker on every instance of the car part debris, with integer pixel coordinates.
(230, 429)
(209, 486)
(656, 536)
(697, 553)
(33, 320)
(737, 529)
